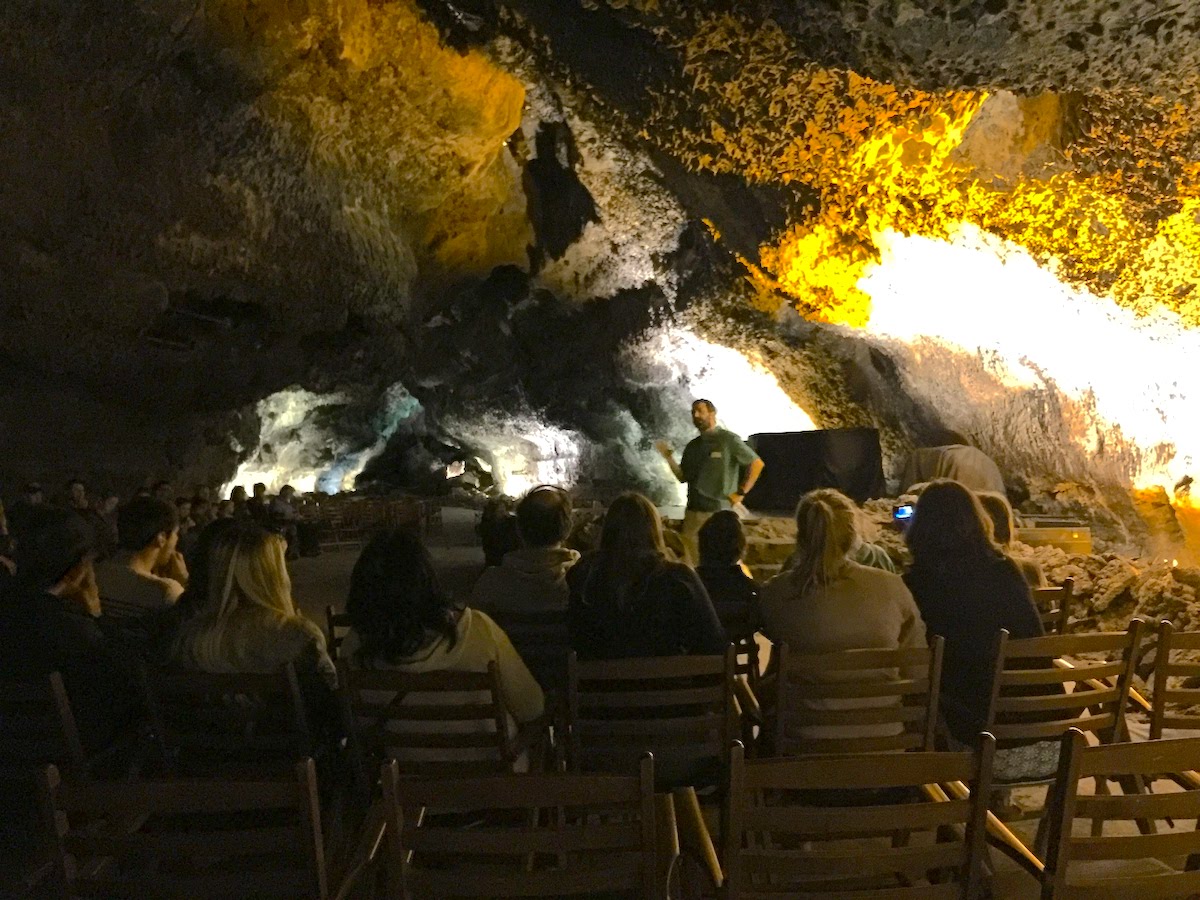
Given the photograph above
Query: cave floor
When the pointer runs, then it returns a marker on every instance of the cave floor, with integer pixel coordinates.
(324, 580)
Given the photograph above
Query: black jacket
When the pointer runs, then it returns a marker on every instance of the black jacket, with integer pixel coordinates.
(665, 612)
(967, 602)
(41, 633)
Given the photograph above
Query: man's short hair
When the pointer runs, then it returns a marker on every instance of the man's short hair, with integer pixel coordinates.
(722, 540)
(143, 519)
(53, 542)
(703, 402)
(544, 516)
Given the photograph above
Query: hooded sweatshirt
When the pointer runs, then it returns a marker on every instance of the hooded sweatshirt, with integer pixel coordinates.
(532, 579)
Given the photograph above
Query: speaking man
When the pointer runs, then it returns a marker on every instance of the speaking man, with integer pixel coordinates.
(712, 468)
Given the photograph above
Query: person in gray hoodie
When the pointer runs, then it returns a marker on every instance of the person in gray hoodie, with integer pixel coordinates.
(532, 579)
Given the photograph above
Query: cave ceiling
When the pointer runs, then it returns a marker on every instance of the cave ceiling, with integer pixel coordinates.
(203, 201)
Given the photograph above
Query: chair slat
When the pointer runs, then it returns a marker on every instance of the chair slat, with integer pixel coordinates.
(878, 860)
(615, 873)
(817, 820)
(483, 840)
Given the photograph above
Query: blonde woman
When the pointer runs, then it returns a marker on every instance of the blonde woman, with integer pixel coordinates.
(826, 602)
(246, 620)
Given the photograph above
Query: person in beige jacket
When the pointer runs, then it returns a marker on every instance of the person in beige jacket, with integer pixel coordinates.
(403, 620)
(826, 602)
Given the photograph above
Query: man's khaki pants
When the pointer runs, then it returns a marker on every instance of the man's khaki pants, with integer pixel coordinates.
(690, 534)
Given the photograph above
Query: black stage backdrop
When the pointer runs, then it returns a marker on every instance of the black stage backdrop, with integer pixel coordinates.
(848, 459)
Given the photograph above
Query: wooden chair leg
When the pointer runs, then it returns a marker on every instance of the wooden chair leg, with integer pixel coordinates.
(667, 841)
(694, 835)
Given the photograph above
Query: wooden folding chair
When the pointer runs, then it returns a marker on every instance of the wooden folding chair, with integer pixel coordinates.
(1055, 606)
(680, 708)
(208, 724)
(337, 625)
(878, 700)
(37, 727)
(436, 724)
(543, 641)
(1033, 698)
(1174, 703)
(1154, 853)
(528, 836)
(186, 839)
(857, 826)
(740, 624)
(1036, 699)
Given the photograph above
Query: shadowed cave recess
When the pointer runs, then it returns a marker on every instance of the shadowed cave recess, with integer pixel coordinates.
(343, 243)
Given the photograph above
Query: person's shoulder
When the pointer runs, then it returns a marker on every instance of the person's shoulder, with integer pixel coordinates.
(872, 574)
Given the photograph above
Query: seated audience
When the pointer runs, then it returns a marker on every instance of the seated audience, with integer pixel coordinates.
(402, 619)
(733, 593)
(1000, 512)
(257, 505)
(240, 501)
(77, 498)
(246, 621)
(162, 491)
(283, 517)
(49, 623)
(967, 590)
(498, 530)
(532, 578)
(628, 600)
(31, 498)
(827, 602)
(202, 512)
(147, 573)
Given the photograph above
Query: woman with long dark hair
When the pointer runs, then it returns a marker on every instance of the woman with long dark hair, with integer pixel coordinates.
(404, 620)
(629, 600)
(967, 590)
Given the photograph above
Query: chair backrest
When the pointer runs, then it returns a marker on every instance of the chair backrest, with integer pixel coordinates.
(839, 824)
(186, 838)
(857, 701)
(739, 621)
(433, 723)
(208, 723)
(337, 625)
(1129, 838)
(671, 706)
(536, 835)
(1054, 605)
(1174, 703)
(1034, 699)
(37, 727)
(543, 641)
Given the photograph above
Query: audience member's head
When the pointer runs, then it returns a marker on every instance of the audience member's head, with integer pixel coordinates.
(396, 603)
(827, 531)
(202, 492)
(162, 491)
(238, 495)
(260, 491)
(144, 524)
(32, 494)
(248, 570)
(56, 550)
(287, 493)
(498, 530)
(999, 510)
(200, 564)
(632, 530)
(949, 524)
(202, 510)
(77, 494)
(109, 505)
(183, 507)
(722, 539)
(226, 509)
(544, 516)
